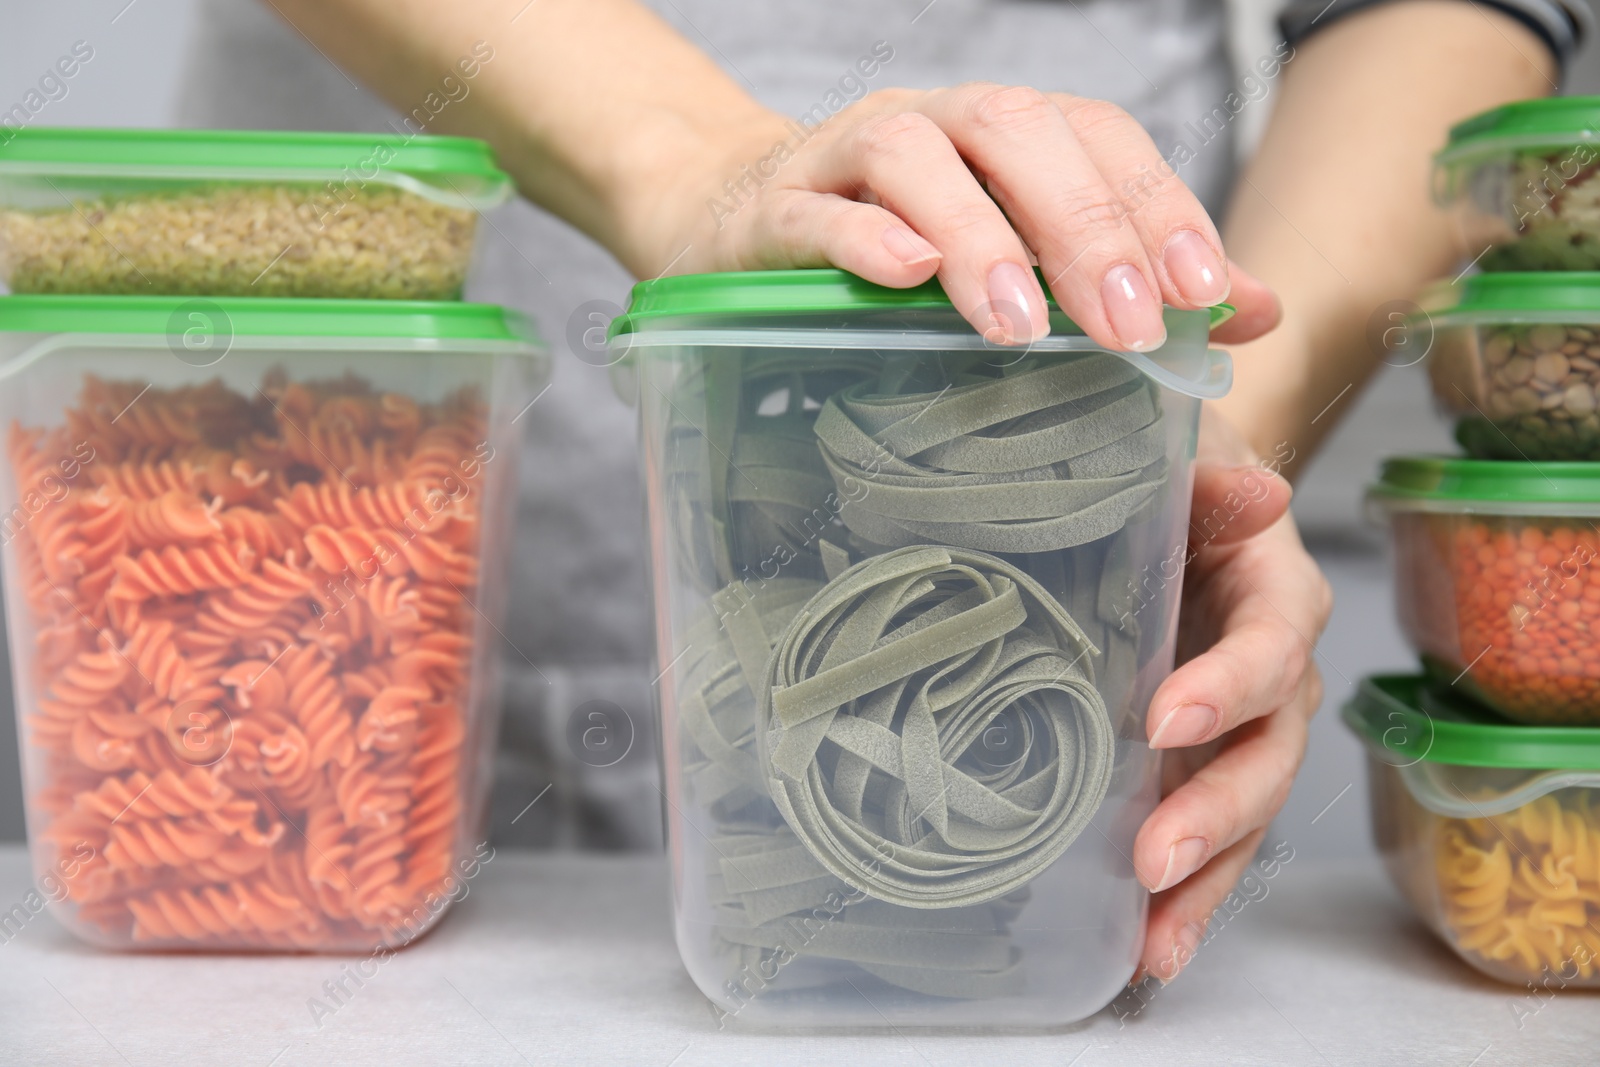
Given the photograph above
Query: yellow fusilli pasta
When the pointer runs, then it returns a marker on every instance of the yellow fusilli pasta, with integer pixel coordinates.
(1521, 891)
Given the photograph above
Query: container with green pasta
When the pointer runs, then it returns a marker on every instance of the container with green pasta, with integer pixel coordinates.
(913, 593)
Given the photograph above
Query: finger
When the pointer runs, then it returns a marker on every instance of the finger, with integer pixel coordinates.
(1252, 671)
(1179, 916)
(1177, 235)
(801, 228)
(906, 163)
(1230, 797)
(1035, 167)
(1234, 503)
(1270, 602)
(1257, 310)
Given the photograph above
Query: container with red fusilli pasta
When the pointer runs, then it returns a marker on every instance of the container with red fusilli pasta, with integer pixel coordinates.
(253, 554)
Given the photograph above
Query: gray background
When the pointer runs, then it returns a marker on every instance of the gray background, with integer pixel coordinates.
(134, 80)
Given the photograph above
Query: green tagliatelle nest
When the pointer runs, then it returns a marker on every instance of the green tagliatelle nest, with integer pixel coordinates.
(879, 692)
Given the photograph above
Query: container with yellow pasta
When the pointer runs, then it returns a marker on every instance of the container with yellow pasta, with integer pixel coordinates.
(1491, 830)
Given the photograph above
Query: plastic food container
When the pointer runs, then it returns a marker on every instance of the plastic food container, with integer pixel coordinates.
(1490, 830)
(1523, 180)
(1497, 579)
(252, 550)
(1516, 360)
(258, 214)
(912, 597)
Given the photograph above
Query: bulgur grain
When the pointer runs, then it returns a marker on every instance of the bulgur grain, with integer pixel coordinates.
(243, 240)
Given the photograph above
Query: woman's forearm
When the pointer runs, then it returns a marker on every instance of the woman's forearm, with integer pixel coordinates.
(592, 105)
(1334, 211)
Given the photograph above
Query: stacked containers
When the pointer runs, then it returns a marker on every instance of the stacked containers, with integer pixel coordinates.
(253, 545)
(1484, 770)
(913, 595)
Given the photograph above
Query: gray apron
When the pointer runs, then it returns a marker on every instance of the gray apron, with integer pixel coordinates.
(579, 633)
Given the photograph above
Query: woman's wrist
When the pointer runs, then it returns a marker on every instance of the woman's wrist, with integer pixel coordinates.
(679, 181)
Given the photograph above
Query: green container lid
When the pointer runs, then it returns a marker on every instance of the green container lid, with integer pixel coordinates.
(265, 317)
(458, 165)
(1527, 124)
(792, 293)
(1528, 296)
(1487, 486)
(1403, 715)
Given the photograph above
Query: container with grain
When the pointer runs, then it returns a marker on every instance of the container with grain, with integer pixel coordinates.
(260, 214)
(1523, 183)
(1497, 579)
(1516, 361)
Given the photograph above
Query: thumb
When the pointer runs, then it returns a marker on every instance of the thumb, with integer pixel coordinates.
(1258, 310)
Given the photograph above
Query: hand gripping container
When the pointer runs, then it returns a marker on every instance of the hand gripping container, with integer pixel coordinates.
(912, 597)
(1491, 830)
(242, 213)
(252, 553)
(1497, 579)
(1523, 181)
(1515, 359)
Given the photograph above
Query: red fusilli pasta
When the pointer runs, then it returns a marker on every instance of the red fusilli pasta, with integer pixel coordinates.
(253, 656)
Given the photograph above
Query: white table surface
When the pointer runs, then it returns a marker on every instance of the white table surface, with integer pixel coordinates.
(568, 959)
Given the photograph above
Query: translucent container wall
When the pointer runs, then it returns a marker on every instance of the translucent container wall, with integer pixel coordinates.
(912, 598)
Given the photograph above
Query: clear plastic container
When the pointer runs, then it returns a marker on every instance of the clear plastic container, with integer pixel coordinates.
(1523, 181)
(256, 214)
(1497, 579)
(252, 550)
(1490, 830)
(912, 597)
(1515, 360)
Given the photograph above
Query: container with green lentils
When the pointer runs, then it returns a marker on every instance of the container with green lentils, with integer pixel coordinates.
(1516, 360)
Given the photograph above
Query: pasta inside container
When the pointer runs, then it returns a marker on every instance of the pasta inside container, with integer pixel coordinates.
(912, 597)
(253, 551)
(1490, 830)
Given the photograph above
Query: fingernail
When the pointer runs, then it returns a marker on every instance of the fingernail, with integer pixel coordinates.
(1183, 859)
(1015, 299)
(1195, 269)
(909, 247)
(1185, 943)
(1185, 725)
(1135, 314)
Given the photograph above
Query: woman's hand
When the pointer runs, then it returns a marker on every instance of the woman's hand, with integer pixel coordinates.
(974, 184)
(1236, 712)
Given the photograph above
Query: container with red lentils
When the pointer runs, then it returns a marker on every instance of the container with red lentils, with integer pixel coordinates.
(1497, 579)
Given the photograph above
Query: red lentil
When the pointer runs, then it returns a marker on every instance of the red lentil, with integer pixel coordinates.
(1525, 599)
